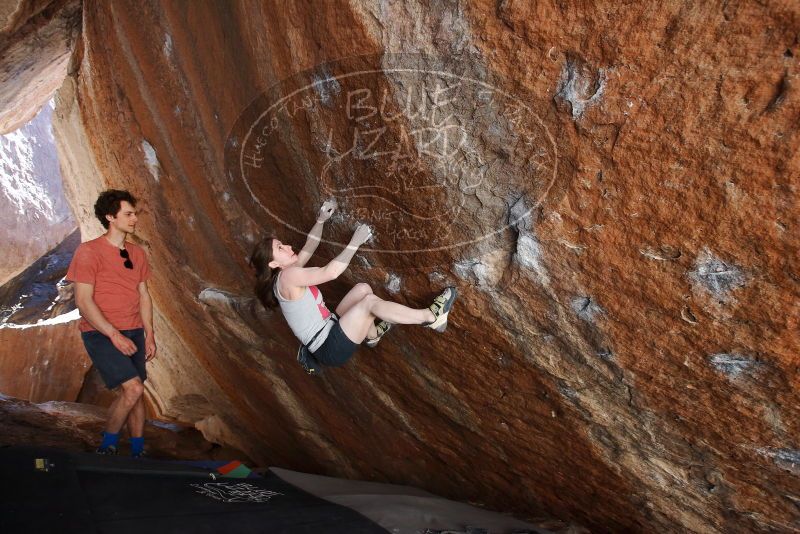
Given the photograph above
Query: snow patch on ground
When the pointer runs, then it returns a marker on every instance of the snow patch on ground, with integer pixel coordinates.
(68, 317)
(19, 181)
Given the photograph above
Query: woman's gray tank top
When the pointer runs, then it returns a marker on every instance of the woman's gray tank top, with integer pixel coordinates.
(306, 316)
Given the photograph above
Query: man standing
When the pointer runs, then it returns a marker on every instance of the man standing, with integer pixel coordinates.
(110, 276)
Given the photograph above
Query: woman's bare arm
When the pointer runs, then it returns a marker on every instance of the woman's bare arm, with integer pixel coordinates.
(296, 276)
(315, 235)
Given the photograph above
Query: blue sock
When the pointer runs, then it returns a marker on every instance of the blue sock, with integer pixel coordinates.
(109, 439)
(137, 445)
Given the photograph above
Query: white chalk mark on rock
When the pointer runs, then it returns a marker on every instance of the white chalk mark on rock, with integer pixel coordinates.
(586, 308)
(662, 253)
(715, 276)
(393, 283)
(151, 159)
(580, 86)
(734, 365)
(785, 458)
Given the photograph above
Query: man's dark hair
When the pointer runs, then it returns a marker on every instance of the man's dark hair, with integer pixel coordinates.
(108, 203)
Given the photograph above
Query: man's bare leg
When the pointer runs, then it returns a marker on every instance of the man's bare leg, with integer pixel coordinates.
(130, 394)
(136, 419)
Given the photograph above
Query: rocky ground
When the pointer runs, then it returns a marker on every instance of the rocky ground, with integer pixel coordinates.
(77, 427)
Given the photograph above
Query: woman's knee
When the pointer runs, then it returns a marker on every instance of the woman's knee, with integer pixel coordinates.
(363, 288)
(369, 301)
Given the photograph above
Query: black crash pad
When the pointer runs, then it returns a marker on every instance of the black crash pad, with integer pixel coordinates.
(86, 493)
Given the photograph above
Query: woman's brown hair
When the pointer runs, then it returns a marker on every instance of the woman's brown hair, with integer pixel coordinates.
(265, 275)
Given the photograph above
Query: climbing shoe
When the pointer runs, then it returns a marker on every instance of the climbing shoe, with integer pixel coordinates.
(382, 327)
(111, 450)
(441, 308)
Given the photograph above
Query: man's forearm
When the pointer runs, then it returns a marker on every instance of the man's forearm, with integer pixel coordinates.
(146, 311)
(95, 317)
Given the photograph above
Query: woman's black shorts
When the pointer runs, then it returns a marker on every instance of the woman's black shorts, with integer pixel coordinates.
(336, 349)
(116, 368)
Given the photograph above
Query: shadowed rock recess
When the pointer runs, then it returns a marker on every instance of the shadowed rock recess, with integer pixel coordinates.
(613, 189)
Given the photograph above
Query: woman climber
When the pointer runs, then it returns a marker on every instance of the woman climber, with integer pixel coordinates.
(332, 338)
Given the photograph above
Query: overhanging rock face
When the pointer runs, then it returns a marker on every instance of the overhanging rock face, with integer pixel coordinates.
(36, 40)
(613, 191)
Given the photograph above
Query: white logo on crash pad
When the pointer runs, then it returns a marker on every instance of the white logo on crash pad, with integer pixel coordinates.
(230, 492)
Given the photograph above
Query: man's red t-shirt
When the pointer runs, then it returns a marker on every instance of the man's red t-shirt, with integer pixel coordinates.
(116, 288)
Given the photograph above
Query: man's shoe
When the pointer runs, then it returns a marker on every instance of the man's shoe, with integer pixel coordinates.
(142, 454)
(382, 327)
(441, 308)
(111, 450)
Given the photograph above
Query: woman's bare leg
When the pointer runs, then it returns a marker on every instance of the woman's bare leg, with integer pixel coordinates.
(357, 320)
(353, 297)
(400, 314)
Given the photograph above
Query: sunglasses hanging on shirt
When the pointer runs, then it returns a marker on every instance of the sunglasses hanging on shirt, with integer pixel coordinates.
(123, 252)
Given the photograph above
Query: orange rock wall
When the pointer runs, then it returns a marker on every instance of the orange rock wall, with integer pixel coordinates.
(42, 363)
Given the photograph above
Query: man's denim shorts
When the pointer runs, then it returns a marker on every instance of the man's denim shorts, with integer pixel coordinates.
(116, 368)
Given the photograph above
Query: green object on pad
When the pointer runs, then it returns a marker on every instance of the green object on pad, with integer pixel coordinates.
(234, 469)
